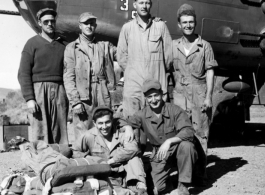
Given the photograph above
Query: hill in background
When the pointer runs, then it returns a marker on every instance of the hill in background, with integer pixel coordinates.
(4, 92)
(14, 106)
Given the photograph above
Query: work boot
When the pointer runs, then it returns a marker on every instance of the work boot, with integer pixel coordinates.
(181, 190)
(139, 189)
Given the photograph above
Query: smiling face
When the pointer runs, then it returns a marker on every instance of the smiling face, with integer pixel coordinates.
(143, 7)
(154, 98)
(104, 125)
(47, 24)
(187, 24)
(88, 27)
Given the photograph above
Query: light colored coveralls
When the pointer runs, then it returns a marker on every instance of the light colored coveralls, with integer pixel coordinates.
(143, 53)
(128, 166)
(191, 87)
(88, 70)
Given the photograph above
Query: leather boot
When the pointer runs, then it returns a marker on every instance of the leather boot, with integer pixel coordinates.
(183, 189)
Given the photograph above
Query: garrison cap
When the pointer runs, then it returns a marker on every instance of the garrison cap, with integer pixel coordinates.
(86, 16)
(42, 12)
(101, 108)
(151, 84)
(185, 8)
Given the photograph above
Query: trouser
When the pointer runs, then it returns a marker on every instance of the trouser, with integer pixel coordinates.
(99, 96)
(135, 170)
(193, 105)
(183, 156)
(131, 105)
(50, 122)
(131, 170)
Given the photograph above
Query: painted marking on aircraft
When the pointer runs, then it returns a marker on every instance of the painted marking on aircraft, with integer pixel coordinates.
(134, 14)
(125, 6)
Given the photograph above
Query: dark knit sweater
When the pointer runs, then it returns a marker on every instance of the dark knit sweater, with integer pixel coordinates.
(41, 61)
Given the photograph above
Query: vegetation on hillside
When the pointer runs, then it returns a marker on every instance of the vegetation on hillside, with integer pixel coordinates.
(14, 106)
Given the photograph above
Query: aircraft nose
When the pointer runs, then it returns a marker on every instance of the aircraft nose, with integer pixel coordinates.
(28, 9)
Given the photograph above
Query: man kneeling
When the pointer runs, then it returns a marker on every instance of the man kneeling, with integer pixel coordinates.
(107, 141)
(171, 135)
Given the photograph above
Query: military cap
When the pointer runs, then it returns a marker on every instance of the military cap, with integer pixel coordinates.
(151, 84)
(42, 12)
(185, 8)
(101, 108)
(86, 16)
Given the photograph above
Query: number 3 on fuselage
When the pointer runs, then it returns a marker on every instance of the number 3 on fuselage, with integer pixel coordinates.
(125, 5)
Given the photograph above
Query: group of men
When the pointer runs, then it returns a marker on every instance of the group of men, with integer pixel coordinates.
(51, 74)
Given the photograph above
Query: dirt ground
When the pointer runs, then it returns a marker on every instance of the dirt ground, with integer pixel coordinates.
(235, 161)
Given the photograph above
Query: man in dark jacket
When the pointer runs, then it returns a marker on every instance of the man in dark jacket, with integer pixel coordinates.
(171, 135)
(107, 139)
(88, 70)
(41, 79)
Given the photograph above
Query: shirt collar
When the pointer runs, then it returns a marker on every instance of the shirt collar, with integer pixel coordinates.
(148, 24)
(82, 38)
(78, 40)
(57, 37)
(180, 45)
(164, 111)
(199, 41)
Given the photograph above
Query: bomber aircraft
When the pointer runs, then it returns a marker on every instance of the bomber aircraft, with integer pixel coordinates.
(235, 29)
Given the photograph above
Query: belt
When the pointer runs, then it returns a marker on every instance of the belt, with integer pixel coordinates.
(96, 79)
(187, 80)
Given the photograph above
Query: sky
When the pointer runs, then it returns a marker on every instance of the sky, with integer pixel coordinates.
(14, 33)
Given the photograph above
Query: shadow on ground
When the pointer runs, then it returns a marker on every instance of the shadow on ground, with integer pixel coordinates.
(226, 135)
(216, 168)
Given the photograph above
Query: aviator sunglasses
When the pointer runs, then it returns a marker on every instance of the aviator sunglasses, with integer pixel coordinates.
(46, 22)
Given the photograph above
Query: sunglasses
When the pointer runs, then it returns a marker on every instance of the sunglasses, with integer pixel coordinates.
(46, 22)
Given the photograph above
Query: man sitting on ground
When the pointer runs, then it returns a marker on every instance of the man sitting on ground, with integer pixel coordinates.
(171, 135)
(107, 141)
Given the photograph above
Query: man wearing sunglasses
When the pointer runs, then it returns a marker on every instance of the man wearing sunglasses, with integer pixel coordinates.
(88, 73)
(41, 79)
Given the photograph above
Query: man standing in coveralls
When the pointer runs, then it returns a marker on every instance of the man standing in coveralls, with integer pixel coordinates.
(41, 79)
(88, 71)
(144, 51)
(194, 64)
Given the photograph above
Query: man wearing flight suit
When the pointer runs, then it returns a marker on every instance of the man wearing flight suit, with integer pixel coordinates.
(171, 135)
(41, 79)
(194, 64)
(108, 141)
(88, 71)
(144, 50)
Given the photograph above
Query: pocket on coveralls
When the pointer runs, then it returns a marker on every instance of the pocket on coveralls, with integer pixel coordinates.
(154, 43)
(170, 132)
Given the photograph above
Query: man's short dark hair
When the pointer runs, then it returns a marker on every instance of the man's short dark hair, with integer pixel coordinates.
(102, 113)
(187, 13)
